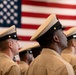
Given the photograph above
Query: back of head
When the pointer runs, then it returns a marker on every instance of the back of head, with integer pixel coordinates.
(44, 34)
(3, 45)
(22, 55)
(36, 51)
(25, 53)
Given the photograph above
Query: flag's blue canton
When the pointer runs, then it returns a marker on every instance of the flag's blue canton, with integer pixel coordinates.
(10, 13)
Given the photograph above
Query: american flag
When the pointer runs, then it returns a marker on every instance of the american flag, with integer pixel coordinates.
(28, 15)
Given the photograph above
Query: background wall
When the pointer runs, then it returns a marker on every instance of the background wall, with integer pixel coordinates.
(28, 15)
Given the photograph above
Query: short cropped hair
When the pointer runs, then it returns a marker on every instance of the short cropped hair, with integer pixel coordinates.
(22, 55)
(44, 43)
(3, 45)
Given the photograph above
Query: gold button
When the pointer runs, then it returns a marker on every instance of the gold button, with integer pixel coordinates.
(54, 28)
(9, 36)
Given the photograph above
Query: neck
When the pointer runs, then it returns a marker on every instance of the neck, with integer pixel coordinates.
(56, 48)
(9, 53)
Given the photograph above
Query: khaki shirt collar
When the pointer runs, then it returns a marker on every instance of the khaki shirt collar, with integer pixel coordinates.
(50, 51)
(66, 51)
(4, 55)
(22, 62)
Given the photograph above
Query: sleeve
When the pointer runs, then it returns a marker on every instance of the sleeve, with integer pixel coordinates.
(23, 71)
(14, 70)
(73, 62)
(74, 69)
(60, 71)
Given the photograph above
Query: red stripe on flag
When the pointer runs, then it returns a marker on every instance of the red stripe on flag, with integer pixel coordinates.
(24, 38)
(49, 4)
(66, 28)
(66, 17)
(29, 26)
(39, 15)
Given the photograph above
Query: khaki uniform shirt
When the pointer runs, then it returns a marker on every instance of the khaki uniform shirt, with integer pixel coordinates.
(69, 57)
(8, 66)
(49, 62)
(23, 67)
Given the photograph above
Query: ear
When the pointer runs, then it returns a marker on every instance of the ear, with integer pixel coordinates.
(10, 44)
(56, 39)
